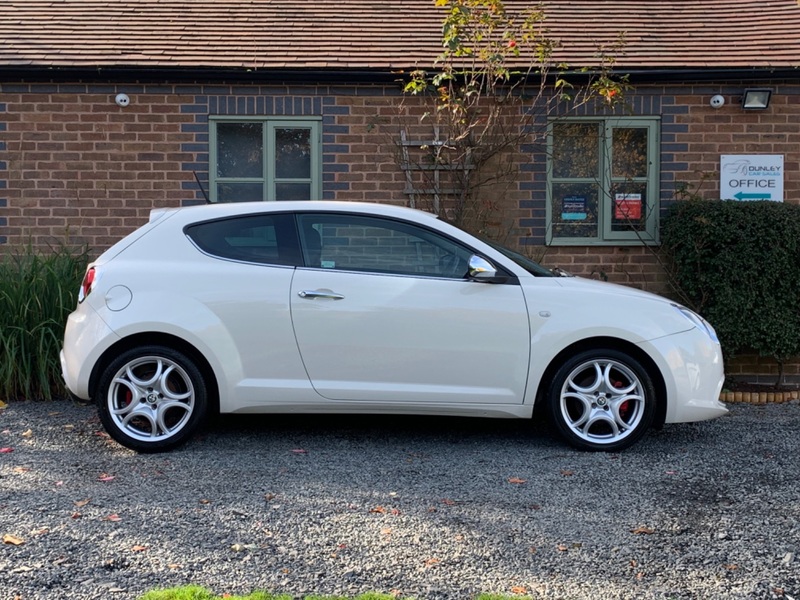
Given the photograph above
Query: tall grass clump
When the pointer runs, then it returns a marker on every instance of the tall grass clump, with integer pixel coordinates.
(38, 289)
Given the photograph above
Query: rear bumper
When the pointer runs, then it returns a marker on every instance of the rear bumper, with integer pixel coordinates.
(86, 337)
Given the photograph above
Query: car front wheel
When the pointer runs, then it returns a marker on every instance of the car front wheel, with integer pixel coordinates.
(602, 400)
(151, 398)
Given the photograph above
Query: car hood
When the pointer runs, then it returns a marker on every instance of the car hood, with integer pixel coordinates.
(593, 286)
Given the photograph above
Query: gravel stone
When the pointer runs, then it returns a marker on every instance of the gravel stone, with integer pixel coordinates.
(430, 508)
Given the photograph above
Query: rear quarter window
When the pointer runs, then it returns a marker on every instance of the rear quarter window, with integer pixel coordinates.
(263, 239)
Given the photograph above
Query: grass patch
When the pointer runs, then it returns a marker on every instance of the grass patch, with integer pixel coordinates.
(38, 289)
(193, 592)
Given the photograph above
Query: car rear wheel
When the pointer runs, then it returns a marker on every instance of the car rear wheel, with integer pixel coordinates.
(151, 398)
(602, 400)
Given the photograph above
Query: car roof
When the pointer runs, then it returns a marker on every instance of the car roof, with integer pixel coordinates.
(203, 212)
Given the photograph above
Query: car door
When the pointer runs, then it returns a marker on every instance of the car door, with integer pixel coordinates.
(383, 312)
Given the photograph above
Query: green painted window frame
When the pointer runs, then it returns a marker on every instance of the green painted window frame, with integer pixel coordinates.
(268, 180)
(605, 234)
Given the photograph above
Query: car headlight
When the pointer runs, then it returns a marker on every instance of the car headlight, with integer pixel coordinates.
(697, 321)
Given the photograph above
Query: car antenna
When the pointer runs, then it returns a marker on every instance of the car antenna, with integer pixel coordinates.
(200, 185)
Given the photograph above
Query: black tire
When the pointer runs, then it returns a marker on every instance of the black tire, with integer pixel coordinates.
(151, 398)
(602, 399)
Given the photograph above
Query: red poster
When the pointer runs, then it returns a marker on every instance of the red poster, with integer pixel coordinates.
(628, 207)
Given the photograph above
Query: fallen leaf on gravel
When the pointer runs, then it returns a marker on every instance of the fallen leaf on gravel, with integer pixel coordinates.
(431, 561)
(28, 433)
(41, 531)
(12, 539)
(299, 451)
(204, 501)
(6, 450)
(516, 480)
(59, 483)
(642, 530)
(395, 511)
(567, 472)
(269, 497)
(731, 567)
(377, 509)
(386, 531)
(115, 517)
(562, 547)
(53, 413)
(173, 566)
(3, 404)
(105, 477)
(138, 548)
(21, 469)
(671, 472)
(519, 589)
(80, 503)
(69, 427)
(76, 515)
(448, 502)
(102, 434)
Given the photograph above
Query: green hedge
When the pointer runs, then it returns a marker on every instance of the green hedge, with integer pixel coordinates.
(38, 289)
(738, 264)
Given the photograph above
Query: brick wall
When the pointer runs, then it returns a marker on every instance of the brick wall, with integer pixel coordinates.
(75, 165)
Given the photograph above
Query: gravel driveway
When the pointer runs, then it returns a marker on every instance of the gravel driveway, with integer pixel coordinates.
(429, 508)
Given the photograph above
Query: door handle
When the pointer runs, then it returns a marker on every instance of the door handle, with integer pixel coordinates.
(314, 294)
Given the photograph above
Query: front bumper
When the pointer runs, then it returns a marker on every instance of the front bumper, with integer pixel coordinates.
(694, 373)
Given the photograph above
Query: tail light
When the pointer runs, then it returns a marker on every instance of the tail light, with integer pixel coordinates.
(86, 285)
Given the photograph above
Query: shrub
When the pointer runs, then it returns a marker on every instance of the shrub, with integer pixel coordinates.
(38, 289)
(738, 264)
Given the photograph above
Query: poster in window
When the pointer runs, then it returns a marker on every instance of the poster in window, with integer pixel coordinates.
(628, 207)
(573, 208)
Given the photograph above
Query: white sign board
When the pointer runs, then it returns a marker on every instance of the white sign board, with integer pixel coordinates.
(751, 177)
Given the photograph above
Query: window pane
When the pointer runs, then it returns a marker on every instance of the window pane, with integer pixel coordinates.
(292, 191)
(293, 153)
(269, 239)
(629, 152)
(576, 150)
(240, 192)
(574, 210)
(354, 243)
(629, 207)
(240, 151)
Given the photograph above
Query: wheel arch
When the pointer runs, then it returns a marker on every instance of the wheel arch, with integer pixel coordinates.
(159, 339)
(612, 343)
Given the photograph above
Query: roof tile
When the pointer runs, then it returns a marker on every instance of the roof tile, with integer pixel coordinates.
(391, 34)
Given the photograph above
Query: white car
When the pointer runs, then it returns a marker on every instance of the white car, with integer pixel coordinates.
(329, 307)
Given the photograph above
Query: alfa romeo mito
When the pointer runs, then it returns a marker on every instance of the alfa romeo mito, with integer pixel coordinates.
(328, 307)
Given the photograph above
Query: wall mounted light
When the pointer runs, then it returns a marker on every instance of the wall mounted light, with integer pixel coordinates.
(756, 98)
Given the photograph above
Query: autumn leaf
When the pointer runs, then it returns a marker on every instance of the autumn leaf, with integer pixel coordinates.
(13, 539)
(105, 477)
(448, 502)
(21, 469)
(386, 531)
(377, 509)
(731, 567)
(431, 561)
(519, 589)
(173, 566)
(27, 433)
(299, 451)
(6, 450)
(115, 517)
(80, 503)
(76, 515)
(395, 512)
(562, 547)
(642, 530)
(516, 480)
(567, 472)
(3, 404)
(138, 548)
(204, 501)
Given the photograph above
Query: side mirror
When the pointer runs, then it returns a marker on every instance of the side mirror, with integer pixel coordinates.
(484, 271)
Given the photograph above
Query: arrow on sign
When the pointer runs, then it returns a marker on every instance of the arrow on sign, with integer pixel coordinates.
(743, 196)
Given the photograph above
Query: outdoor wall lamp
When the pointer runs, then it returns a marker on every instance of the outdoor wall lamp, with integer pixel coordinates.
(756, 98)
